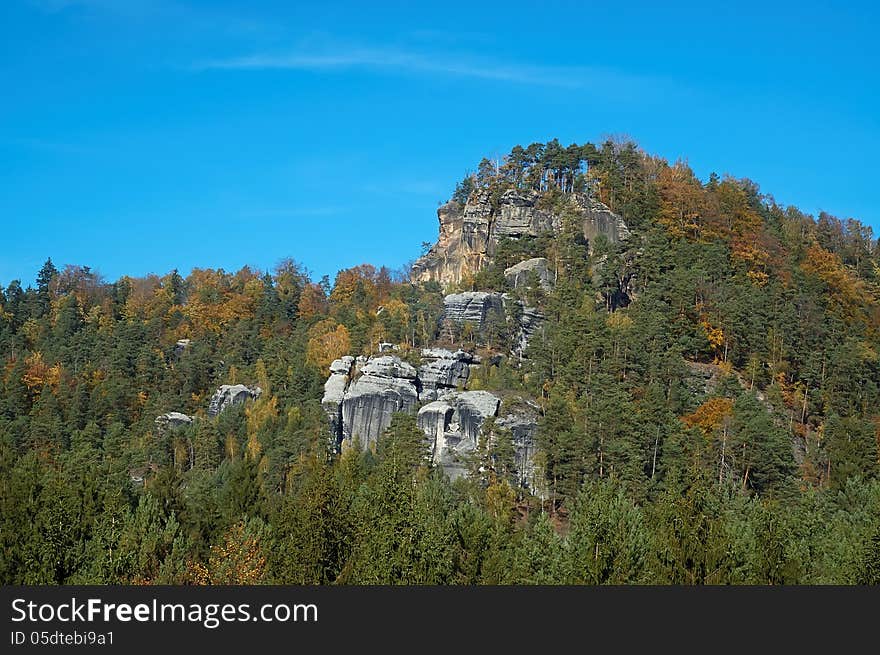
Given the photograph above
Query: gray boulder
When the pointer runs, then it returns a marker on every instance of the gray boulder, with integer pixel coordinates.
(231, 394)
(520, 275)
(172, 420)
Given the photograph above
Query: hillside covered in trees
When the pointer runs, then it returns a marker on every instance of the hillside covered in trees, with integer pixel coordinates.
(706, 387)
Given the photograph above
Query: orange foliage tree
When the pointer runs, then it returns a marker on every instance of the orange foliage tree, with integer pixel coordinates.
(710, 416)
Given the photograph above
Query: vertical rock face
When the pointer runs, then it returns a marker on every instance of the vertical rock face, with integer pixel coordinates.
(469, 234)
(231, 394)
(481, 309)
(599, 219)
(434, 420)
(334, 392)
(386, 385)
(474, 307)
(360, 398)
(522, 421)
(453, 425)
(531, 321)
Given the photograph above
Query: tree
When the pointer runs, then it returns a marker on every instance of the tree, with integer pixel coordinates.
(47, 275)
(761, 450)
(851, 447)
(463, 189)
(608, 541)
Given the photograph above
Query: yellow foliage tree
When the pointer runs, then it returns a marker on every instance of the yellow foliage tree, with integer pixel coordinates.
(846, 289)
(682, 201)
(327, 341)
(237, 560)
(715, 337)
(38, 373)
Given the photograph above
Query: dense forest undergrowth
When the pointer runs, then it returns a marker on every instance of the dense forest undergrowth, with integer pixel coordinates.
(767, 477)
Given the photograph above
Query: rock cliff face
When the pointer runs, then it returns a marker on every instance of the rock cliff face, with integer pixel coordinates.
(521, 418)
(469, 235)
(453, 425)
(231, 394)
(361, 395)
(334, 392)
(386, 385)
(474, 307)
(481, 309)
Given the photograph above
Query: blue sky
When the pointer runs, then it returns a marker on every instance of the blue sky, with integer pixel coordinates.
(139, 136)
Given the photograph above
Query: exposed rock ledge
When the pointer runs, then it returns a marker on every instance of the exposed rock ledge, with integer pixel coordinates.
(360, 400)
(469, 234)
(231, 394)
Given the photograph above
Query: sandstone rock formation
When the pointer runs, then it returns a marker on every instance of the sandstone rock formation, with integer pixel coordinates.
(480, 309)
(531, 320)
(386, 385)
(453, 425)
(334, 392)
(172, 420)
(521, 418)
(444, 369)
(469, 234)
(520, 275)
(362, 394)
(474, 307)
(231, 394)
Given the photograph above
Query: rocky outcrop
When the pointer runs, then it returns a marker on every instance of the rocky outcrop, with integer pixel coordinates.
(599, 219)
(231, 394)
(386, 385)
(531, 322)
(444, 369)
(522, 274)
(477, 308)
(521, 419)
(361, 395)
(483, 310)
(452, 426)
(469, 234)
(334, 392)
(434, 419)
(172, 420)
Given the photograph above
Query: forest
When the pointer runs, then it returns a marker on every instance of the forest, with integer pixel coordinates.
(770, 477)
